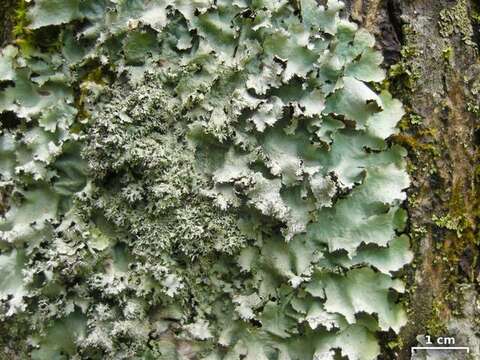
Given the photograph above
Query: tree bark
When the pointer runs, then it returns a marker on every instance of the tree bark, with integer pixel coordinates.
(7, 9)
(431, 49)
(7, 19)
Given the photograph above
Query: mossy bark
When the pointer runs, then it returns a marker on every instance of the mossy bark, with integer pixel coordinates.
(7, 20)
(431, 48)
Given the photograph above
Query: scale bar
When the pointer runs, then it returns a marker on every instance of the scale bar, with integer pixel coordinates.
(441, 348)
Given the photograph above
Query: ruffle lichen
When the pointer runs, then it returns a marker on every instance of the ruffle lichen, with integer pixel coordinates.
(225, 193)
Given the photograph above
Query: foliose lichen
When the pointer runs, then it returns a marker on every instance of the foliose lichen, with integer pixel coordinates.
(226, 192)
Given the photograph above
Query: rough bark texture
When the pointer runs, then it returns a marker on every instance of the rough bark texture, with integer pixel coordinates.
(432, 47)
(7, 21)
(7, 9)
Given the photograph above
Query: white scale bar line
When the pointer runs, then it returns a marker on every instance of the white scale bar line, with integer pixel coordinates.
(440, 348)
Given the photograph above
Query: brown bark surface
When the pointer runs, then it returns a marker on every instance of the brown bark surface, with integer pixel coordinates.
(431, 49)
(7, 10)
(7, 18)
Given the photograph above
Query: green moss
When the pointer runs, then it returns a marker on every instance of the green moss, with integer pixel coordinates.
(447, 54)
(460, 223)
(403, 76)
(435, 325)
(20, 29)
(415, 144)
(22, 35)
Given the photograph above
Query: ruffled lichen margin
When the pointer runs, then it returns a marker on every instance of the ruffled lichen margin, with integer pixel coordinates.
(198, 179)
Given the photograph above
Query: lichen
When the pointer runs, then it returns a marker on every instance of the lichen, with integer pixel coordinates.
(156, 191)
(456, 20)
(199, 179)
(451, 223)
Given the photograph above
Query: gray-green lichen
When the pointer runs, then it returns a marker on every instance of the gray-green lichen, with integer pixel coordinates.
(137, 145)
(225, 190)
(456, 20)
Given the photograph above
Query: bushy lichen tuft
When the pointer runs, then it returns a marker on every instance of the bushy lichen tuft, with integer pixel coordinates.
(145, 180)
(224, 192)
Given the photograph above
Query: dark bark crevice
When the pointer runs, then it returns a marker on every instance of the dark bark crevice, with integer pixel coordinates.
(394, 12)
